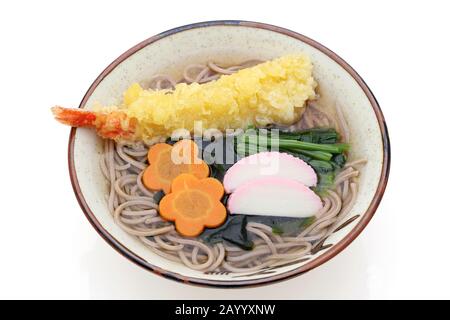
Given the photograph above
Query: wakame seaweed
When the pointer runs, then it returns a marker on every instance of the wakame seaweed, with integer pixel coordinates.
(219, 153)
(217, 171)
(235, 229)
(158, 196)
(285, 226)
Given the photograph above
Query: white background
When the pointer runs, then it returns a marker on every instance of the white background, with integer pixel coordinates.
(51, 51)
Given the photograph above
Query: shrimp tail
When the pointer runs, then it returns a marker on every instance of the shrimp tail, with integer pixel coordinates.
(114, 125)
(74, 117)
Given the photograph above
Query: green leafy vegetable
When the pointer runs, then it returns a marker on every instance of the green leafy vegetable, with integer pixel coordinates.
(321, 166)
(268, 140)
(319, 155)
(317, 135)
(339, 160)
(318, 147)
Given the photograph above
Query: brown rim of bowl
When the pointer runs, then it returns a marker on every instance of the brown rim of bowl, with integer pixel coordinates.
(333, 251)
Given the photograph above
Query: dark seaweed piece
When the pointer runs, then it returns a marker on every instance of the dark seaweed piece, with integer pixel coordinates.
(225, 199)
(217, 171)
(158, 196)
(285, 226)
(219, 154)
(234, 231)
(170, 141)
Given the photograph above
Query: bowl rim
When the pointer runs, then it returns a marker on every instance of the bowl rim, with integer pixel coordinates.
(332, 252)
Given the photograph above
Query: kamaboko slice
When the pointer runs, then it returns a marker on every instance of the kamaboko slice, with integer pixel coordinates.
(274, 196)
(269, 164)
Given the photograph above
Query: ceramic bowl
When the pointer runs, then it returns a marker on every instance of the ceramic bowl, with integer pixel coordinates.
(231, 42)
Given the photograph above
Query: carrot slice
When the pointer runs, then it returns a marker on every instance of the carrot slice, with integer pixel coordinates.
(167, 162)
(194, 204)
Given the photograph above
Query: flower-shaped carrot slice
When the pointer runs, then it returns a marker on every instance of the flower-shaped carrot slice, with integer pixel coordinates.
(167, 162)
(194, 204)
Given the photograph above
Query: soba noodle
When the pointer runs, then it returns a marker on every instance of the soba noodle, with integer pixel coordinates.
(135, 210)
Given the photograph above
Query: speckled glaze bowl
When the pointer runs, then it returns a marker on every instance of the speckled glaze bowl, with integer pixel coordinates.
(231, 42)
